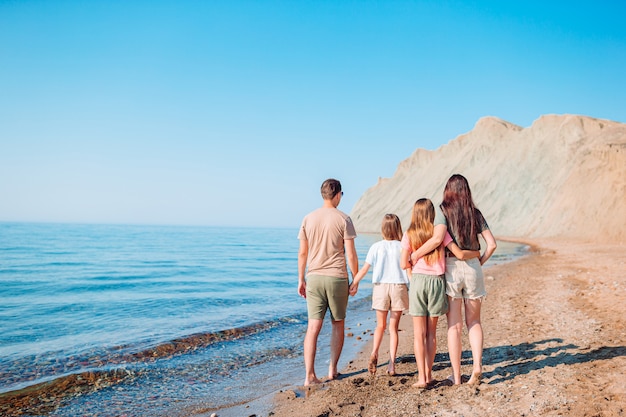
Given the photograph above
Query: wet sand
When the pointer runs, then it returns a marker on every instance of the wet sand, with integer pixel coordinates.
(555, 345)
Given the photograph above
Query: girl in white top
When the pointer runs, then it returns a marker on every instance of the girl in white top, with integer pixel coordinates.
(390, 288)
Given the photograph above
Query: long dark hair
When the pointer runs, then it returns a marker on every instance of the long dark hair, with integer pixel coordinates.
(460, 212)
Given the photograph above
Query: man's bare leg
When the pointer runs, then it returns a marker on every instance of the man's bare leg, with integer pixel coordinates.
(336, 346)
(310, 348)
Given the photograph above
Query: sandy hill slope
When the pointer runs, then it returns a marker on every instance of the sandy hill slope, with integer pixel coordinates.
(564, 176)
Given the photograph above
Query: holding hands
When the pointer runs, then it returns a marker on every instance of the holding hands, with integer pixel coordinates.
(354, 288)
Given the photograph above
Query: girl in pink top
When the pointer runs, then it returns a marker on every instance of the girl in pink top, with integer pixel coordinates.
(427, 291)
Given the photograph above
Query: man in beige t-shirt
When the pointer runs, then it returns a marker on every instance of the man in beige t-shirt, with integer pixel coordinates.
(326, 242)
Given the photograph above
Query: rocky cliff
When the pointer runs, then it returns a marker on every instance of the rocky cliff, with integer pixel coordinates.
(564, 176)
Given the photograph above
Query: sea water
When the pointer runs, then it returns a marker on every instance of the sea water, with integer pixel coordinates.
(155, 320)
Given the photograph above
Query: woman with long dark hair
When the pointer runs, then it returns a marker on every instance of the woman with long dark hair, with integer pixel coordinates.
(427, 292)
(465, 284)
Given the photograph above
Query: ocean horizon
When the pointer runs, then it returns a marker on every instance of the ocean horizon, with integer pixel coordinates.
(159, 320)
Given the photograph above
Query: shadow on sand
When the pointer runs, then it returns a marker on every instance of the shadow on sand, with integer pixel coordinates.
(514, 360)
(521, 359)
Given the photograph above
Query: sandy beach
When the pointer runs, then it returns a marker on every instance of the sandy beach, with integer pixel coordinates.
(555, 345)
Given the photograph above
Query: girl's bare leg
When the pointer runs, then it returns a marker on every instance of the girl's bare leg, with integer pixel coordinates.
(419, 347)
(475, 330)
(431, 347)
(394, 323)
(381, 324)
(455, 331)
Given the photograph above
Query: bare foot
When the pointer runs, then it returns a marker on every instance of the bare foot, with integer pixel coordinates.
(420, 385)
(313, 381)
(334, 376)
(391, 367)
(332, 373)
(475, 378)
(372, 365)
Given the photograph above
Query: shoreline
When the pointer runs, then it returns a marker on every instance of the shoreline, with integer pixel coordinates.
(360, 327)
(357, 348)
(554, 345)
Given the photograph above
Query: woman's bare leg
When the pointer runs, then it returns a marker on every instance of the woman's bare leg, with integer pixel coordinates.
(455, 331)
(475, 330)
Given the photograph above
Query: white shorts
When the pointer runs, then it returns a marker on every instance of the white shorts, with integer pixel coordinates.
(464, 279)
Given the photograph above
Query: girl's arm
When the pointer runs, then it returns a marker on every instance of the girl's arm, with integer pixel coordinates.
(405, 262)
(462, 254)
(491, 245)
(431, 244)
(354, 287)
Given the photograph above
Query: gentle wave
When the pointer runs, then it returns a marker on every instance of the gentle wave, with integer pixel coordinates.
(93, 371)
(42, 369)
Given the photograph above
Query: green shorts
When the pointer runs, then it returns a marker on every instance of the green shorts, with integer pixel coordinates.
(427, 296)
(324, 293)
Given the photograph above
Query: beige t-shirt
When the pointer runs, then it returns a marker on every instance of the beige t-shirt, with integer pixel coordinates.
(325, 230)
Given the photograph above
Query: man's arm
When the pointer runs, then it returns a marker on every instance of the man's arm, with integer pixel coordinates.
(303, 254)
(351, 256)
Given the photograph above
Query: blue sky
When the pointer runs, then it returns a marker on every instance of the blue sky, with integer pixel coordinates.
(233, 112)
